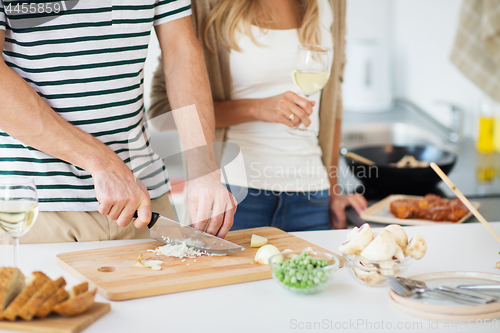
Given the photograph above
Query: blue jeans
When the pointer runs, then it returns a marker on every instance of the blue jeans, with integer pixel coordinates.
(292, 211)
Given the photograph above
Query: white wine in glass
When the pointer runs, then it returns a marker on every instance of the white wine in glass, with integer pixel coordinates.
(18, 208)
(310, 73)
(310, 82)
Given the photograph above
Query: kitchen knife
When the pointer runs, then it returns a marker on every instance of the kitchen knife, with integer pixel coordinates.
(172, 232)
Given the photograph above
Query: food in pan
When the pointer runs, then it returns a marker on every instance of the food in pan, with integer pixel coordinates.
(431, 207)
(40, 296)
(409, 161)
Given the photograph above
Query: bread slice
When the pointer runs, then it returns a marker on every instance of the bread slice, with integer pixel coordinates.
(57, 297)
(29, 309)
(79, 289)
(12, 281)
(76, 305)
(38, 279)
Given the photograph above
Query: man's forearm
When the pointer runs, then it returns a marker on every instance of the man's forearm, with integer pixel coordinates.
(188, 84)
(234, 112)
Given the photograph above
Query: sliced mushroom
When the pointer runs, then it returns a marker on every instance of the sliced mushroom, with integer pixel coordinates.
(417, 247)
(351, 233)
(386, 267)
(370, 278)
(399, 254)
(383, 247)
(399, 235)
(358, 240)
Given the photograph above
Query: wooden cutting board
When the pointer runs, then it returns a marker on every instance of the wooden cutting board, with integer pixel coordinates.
(58, 324)
(111, 270)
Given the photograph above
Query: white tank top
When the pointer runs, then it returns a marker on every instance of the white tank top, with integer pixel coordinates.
(275, 159)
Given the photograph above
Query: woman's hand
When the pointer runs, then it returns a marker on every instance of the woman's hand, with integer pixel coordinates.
(338, 203)
(288, 108)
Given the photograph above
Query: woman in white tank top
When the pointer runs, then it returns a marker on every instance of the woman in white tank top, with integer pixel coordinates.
(288, 186)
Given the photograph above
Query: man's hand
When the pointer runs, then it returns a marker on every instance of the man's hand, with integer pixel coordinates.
(209, 199)
(120, 194)
(338, 203)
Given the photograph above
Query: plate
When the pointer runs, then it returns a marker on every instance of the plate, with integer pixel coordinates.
(437, 309)
(380, 212)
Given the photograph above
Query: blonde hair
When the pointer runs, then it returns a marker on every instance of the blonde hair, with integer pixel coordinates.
(228, 14)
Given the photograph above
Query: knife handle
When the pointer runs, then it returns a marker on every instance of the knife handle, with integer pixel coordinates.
(154, 218)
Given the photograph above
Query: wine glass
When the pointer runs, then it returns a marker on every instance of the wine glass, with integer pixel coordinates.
(18, 208)
(310, 73)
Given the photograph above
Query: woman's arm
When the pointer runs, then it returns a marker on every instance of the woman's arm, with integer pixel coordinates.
(276, 109)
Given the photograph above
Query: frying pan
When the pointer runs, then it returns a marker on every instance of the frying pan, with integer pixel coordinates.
(388, 178)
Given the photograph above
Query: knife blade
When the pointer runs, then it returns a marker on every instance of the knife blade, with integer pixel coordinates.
(172, 232)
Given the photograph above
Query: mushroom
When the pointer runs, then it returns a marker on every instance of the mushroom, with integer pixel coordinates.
(383, 247)
(370, 278)
(386, 268)
(399, 235)
(351, 233)
(417, 247)
(359, 239)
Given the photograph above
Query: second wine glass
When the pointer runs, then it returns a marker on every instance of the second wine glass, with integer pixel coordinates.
(18, 208)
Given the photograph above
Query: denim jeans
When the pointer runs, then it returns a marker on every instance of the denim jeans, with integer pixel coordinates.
(292, 211)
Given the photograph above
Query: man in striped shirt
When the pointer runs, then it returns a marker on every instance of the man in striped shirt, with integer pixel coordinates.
(72, 114)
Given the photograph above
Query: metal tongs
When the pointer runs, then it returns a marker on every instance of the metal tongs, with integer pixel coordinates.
(408, 287)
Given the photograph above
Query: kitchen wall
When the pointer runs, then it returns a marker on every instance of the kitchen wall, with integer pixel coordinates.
(419, 35)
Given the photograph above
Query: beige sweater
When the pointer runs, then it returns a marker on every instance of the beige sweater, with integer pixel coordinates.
(220, 78)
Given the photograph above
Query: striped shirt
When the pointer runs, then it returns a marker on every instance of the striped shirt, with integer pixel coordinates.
(87, 64)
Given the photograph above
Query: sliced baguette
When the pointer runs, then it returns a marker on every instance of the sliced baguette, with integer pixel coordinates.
(57, 297)
(30, 308)
(38, 279)
(76, 305)
(79, 289)
(12, 281)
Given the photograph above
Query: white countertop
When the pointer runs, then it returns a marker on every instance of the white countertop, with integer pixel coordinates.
(263, 306)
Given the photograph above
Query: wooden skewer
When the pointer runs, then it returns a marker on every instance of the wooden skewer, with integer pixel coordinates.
(359, 158)
(465, 201)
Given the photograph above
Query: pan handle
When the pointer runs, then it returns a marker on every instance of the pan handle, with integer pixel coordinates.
(154, 218)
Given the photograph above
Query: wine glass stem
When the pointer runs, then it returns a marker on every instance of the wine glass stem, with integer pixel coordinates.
(16, 252)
